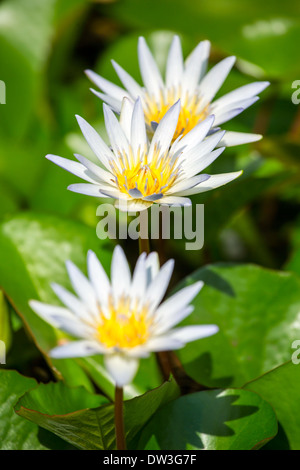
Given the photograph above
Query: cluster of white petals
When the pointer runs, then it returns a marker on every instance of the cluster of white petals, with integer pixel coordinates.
(186, 80)
(123, 318)
(137, 172)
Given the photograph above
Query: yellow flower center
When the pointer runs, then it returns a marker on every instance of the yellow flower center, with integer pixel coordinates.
(190, 114)
(148, 177)
(124, 327)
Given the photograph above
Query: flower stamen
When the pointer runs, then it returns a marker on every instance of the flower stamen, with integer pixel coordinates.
(124, 327)
(191, 113)
(147, 177)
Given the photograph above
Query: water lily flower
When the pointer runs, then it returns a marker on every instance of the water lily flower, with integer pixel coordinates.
(136, 172)
(185, 80)
(122, 318)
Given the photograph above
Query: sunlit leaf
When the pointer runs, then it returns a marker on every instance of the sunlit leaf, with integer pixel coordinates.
(213, 420)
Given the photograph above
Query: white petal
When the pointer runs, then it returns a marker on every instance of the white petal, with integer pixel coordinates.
(135, 193)
(62, 319)
(169, 314)
(50, 313)
(149, 70)
(231, 139)
(214, 79)
(132, 86)
(152, 266)
(157, 288)
(165, 130)
(176, 317)
(98, 278)
(115, 132)
(203, 148)
(97, 171)
(73, 167)
(138, 352)
(213, 182)
(174, 69)
(112, 102)
(121, 368)
(192, 333)
(179, 300)
(134, 206)
(227, 115)
(203, 162)
(82, 287)
(195, 66)
(176, 200)
(187, 183)
(153, 197)
(241, 93)
(113, 193)
(95, 142)
(163, 343)
(194, 137)
(87, 189)
(138, 129)
(76, 327)
(71, 301)
(126, 117)
(108, 87)
(139, 278)
(242, 104)
(120, 273)
(77, 349)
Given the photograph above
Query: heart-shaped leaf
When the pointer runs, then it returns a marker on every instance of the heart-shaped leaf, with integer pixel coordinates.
(281, 388)
(15, 432)
(83, 426)
(211, 420)
(257, 311)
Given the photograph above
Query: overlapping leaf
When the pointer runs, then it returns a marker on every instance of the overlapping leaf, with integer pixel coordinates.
(15, 432)
(257, 311)
(80, 423)
(212, 420)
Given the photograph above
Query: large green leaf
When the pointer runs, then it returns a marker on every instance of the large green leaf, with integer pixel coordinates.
(213, 420)
(257, 311)
(91, 428)
(56, 398)
(34, 250)
(281, 388)
(15, 432)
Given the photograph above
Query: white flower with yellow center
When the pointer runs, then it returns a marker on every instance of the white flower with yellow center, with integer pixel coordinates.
(123, 319)
(137, 172)
(185, 80)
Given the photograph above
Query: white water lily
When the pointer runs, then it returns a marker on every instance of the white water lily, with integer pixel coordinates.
(138, 173)
(185, 80)
(122, 318)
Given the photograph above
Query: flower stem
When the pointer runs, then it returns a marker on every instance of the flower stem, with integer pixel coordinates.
(144, 245)
(164, 364)
(119, 419)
